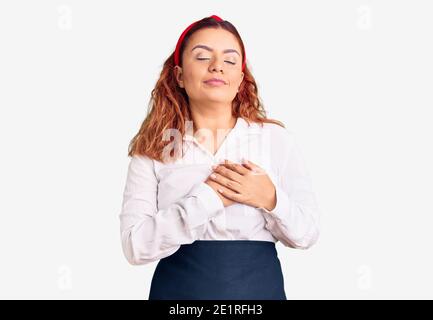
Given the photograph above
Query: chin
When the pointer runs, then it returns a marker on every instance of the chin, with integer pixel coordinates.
(216, 98)
(220, 96)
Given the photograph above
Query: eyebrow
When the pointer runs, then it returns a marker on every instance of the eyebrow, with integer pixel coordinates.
(210, 49)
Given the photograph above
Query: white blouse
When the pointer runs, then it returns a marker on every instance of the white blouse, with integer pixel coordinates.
(167, 205)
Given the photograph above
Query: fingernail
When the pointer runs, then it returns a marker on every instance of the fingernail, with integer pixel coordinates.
(214, 167)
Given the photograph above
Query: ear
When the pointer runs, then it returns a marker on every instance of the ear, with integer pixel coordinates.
(178, 73)
(240, 83)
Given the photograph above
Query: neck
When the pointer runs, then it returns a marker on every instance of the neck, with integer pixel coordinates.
(212, 117)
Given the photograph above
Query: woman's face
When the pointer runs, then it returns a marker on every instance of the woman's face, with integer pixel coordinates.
(211, 53)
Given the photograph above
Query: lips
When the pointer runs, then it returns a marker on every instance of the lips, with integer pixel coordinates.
(215, 81)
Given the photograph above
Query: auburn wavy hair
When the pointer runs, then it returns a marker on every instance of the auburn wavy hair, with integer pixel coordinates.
(168, 107)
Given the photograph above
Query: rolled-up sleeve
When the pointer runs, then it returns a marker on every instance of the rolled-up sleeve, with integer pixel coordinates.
(295, 219)
(149, 234)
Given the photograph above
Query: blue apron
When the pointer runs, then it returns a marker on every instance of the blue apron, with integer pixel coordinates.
(220, 270)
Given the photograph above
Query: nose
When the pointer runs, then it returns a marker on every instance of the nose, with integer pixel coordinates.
(216, 64)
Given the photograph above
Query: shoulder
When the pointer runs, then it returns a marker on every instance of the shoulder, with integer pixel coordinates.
(141, 165)
(280, 137)
(141, 160)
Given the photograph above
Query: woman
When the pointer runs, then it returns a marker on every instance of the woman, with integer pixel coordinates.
(211, 203)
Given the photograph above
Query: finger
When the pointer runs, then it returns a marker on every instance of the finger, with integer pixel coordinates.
(251, 163)
(236, 167)
(252, 166)
(233, 185)
(230, 194)
(228, 173)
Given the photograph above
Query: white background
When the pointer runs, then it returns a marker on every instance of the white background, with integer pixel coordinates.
(353, 80)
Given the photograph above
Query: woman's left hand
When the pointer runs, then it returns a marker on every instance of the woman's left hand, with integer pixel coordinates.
(245, 183)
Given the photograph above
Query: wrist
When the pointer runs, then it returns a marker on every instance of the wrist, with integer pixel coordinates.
(271, 202)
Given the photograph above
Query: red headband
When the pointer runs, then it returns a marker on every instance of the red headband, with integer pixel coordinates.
(182, 36)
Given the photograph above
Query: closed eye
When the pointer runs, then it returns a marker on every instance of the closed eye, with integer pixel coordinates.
(208, 59)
